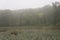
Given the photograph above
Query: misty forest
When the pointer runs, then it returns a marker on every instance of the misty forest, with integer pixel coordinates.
(48, 15)
(31, 24)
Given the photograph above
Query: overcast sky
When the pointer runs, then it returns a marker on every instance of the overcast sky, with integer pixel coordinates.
(23, 4)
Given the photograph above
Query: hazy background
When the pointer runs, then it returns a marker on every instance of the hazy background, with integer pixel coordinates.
(29, 13)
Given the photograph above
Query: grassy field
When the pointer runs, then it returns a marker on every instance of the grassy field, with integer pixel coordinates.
(29, 33)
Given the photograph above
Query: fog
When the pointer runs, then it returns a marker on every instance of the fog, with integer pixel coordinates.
(23, 4)
(29, 20)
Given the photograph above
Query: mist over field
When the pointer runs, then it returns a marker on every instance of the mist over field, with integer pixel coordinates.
(41, 23)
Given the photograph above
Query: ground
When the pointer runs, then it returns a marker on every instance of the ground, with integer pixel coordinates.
(29, 33)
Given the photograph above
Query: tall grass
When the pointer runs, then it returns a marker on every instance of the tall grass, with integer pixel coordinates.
(30, 35)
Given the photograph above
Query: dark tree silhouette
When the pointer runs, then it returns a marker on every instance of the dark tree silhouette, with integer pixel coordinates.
(56, 12)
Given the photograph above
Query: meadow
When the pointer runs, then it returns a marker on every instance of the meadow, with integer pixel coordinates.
(29, 33)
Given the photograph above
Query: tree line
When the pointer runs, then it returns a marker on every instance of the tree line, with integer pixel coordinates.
(45, 16)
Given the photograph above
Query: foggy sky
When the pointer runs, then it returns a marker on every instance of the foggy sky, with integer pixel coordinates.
(23, 4)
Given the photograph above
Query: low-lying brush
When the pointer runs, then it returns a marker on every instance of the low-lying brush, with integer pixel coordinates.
(30, 35)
